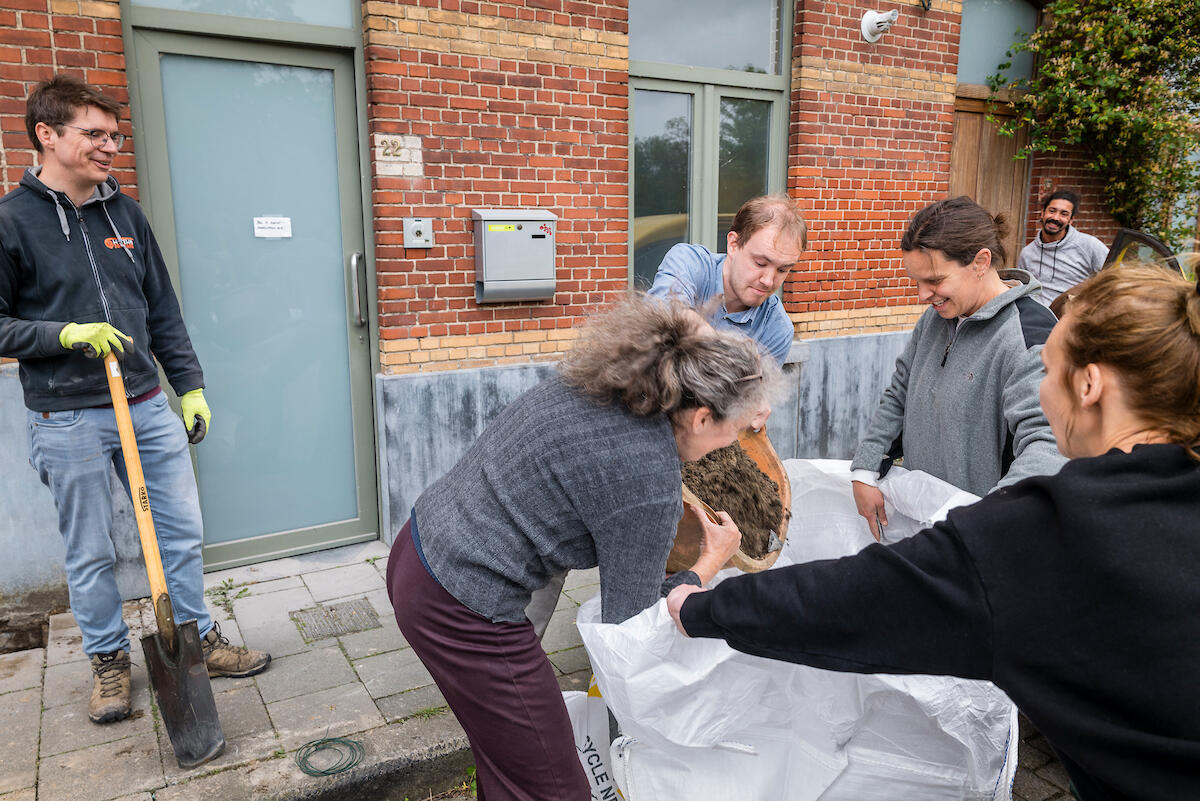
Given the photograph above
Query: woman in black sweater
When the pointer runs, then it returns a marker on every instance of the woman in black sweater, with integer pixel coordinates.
(1077, 594)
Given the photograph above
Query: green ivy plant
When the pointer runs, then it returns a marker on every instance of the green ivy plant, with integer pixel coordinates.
(1121, 78)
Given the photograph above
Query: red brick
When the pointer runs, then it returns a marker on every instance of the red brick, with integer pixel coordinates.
(107, 44)
(38, 55)
(27, 38)
(65, 23)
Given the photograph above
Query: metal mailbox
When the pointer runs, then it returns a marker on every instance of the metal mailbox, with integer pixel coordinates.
(514, 254)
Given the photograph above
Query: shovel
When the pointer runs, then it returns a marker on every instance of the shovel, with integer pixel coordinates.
(174, 659)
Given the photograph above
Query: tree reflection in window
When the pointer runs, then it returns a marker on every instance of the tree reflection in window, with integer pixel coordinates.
(662, 169)
(743, 157)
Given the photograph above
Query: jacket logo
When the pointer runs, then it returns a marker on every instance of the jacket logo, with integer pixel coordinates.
(112, 243)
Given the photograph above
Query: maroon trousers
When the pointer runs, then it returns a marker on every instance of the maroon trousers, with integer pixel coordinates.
(498, 682)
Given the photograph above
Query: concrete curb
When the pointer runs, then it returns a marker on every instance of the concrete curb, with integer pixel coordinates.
(406, 760)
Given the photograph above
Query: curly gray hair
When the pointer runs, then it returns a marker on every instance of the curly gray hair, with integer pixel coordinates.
(660, 357)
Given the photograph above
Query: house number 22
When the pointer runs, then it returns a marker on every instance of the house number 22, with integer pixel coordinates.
(392, 147)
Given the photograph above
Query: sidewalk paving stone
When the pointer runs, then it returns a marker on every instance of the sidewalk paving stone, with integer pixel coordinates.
(374, 641)
(562, 633)
(1030, 788)
(65, 641)
(20, 712)
(581, 594)
(575, 681)
(571, 660)
(337, 581)
(69, 683)
(335, 712)
(27, 794)
(404, 705)
(382, 603)
(263, 621)
(21, 670)
(274, 585)
(1056, 774)
(391, 673)
(73, 776)
(67, 728)
(1031, 757)
(248, 732)
(242, 712)
(258, 611)
(277, 639)
(582, 578)
(304, 674)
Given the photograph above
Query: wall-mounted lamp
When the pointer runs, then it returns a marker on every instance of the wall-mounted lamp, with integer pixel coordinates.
(875, 24)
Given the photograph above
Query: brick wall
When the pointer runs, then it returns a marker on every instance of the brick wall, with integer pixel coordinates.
(525, 104)
(871, 131)
(1067, 169)
(41, 37)
(513, 104)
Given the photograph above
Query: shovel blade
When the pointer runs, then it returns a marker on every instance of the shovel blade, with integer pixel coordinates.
(184, 695)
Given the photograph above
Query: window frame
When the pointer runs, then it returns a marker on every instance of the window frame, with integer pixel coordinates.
(708, 86)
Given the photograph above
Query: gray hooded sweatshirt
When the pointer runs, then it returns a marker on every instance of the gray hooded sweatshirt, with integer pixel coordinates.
(963, 403)
(1060, 265)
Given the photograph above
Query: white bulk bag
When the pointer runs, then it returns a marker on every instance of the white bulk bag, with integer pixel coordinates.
(703, 721)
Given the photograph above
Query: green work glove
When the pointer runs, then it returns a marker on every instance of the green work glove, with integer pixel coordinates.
(94, 339)
(194, 406)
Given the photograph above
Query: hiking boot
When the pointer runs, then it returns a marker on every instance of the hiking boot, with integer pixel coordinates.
(110, 687)
(234, 661)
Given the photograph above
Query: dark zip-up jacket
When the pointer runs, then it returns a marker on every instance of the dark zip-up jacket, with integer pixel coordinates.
(98, 262)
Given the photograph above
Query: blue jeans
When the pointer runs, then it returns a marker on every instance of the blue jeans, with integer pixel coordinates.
(72, 451)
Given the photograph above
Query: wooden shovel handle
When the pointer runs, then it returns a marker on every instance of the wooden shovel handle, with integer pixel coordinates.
(141, 499)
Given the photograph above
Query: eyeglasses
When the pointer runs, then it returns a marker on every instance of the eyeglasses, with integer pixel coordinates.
(99, 137)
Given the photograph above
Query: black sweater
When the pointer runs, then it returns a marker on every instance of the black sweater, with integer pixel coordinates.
(1077, 594)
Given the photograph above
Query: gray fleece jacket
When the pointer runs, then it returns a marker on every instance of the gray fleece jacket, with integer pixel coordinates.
(1060, 265)
(963, 403)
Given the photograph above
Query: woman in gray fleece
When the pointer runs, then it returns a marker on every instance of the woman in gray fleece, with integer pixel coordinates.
(963, 402)
(581, 471)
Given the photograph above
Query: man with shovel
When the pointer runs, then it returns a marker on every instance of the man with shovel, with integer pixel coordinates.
(80, 275)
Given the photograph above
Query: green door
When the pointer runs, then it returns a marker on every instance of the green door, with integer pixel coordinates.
(249, 167)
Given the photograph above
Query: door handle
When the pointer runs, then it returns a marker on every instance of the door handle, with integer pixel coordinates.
(356, 259)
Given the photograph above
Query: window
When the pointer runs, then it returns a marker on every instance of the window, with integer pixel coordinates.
(311, 12)
(989, 28)
(708, 109)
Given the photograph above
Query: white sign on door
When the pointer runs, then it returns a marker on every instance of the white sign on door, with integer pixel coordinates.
(273, 227)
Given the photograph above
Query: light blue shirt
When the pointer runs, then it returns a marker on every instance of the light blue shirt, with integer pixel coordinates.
(693, 274)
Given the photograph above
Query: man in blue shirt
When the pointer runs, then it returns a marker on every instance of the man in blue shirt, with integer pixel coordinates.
(764, 243)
